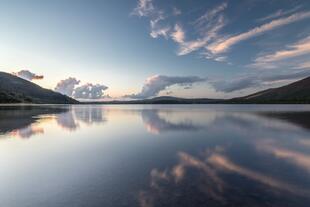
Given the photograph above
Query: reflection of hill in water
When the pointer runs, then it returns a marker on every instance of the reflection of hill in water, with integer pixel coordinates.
(298, 118)
(155, 120)
(17, 117)
(21, 120)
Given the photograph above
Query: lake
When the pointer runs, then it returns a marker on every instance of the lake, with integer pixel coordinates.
(155, 155)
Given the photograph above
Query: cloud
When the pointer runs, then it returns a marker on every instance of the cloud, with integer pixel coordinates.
(176, 11)
(89, 91)
(221, 59)
(235, 84)
(303, 65)
(302, 47)
(146, 8)
(205, 36)
(208, 25)
(210, 15)
(257, 80)
(70, 87)
(280, 13)
(67, 86)
(159, 31)
(178, 35)
(154, 84)
(224, 44)
(26, 74)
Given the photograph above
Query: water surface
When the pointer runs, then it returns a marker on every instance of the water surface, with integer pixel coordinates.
(143, 155)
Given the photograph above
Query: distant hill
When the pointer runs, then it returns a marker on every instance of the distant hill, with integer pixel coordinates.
(165, 100)
(297, 92)
(17, 90)
(294, 93)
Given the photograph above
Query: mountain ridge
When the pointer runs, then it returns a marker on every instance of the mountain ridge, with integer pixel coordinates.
(17, 90)
(296, 92)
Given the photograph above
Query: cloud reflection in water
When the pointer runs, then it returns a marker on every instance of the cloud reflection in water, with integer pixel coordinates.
(27, 121)
(155, 123)
(251, 149)
(216, 156)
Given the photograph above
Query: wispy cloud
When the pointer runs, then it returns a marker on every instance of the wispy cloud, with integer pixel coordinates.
(304, 65)
(210, 15)
(157, 31)
(157, 83)
(256, 80)
(206, 33)
(224, 44)
(26, 74)
(176, 11)
(302, 47)
(178, 35)
(146, 8)
(236, 84)
(279, 13)
(208, 25)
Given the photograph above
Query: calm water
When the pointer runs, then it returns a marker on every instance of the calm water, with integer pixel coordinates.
(191, 155)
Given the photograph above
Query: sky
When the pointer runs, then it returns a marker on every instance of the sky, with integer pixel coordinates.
(132, 49)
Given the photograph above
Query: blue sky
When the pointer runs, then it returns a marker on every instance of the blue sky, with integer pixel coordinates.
(144, 48)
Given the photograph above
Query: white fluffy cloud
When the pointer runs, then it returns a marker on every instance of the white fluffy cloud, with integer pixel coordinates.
(70, 87)
(26, 74)
(67, 86)
(154, 84)
(90, 91)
